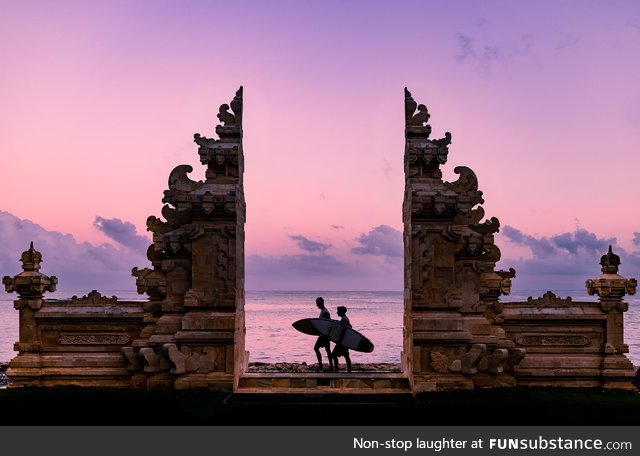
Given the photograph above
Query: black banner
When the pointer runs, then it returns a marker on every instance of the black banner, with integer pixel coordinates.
(320, 440)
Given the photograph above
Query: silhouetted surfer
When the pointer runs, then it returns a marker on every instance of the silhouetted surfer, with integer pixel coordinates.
(339, 349)
(323, 341)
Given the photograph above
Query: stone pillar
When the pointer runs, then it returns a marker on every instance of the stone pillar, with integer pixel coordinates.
(195, 315)
(451, 288)
(30, 285)
(610, 287)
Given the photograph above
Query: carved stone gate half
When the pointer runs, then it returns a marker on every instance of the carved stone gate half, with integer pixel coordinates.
(194, 321)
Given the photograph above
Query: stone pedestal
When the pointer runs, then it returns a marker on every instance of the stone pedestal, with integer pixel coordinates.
(610, 287)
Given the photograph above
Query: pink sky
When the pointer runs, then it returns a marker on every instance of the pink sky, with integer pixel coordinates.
(99, 101)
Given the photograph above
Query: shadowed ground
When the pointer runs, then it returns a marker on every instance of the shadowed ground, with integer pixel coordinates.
(508, 406)
(517, 406)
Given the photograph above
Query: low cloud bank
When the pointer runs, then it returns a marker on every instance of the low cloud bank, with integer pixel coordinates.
(374, 264)
(78, 265)
(564, 261)
(560, 262)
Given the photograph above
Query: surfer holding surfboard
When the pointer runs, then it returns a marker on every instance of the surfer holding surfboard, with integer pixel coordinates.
(339, 349)
(323, 340)
(338, 331)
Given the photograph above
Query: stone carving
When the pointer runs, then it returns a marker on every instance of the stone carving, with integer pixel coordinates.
(225, 116)
(467, 364)
(30, 284)
(515, 356)
(93, 339)
(549, 299)
(412, 118)
(553, 339)
(610, 262)
(493, 284)
(153, 282)
(94, 298)
(153, 361)
(443, 142)
(187, 359)
(610, 286)
(494, 362)
(134, 360)
(488, 227)
(466, 185)
(31, 259)
(156, 225)
(440, 359)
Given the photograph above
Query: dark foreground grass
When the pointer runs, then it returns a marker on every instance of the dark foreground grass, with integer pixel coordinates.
(506, 407)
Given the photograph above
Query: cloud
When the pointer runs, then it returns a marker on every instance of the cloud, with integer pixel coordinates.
(297, 272)
(581, 239)
(563, 243)
(337, 227)
(568, 41)
(465, 45)
(123, 233)
(485, 54)
(78, 266)
(563, 261)
(81, 267)
(308, 245)
(539, 247)
(315, 269)
(301, 264)
(381, 240)
(386, 167)
(320, 272)
(636, 239)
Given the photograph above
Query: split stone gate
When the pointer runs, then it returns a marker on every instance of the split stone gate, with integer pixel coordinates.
(190, 333)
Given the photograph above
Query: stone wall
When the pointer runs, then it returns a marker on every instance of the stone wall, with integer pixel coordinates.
(566, 344)
(69, 342)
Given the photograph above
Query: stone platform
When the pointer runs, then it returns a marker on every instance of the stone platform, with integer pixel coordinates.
(324, 383)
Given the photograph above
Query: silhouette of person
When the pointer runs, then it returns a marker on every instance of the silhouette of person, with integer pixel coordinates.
(323, 341)
(339, 349)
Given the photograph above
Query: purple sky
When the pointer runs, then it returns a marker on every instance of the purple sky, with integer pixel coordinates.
(99, 101)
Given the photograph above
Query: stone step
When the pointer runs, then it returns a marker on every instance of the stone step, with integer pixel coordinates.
(324, 383)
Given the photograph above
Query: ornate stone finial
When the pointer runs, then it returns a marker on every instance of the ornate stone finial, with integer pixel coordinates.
(223, 156)
(30, 284)
(231, 127)
(611, 286)
(610, 262)
(228, 118)
(31, 259)
(416, 122)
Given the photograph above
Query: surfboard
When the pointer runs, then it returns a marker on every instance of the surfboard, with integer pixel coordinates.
(352, 339)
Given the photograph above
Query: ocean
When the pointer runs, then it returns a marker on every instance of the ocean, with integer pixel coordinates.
(269, 314)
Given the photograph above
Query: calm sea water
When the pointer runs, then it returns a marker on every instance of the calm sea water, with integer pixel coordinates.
(269, 314)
